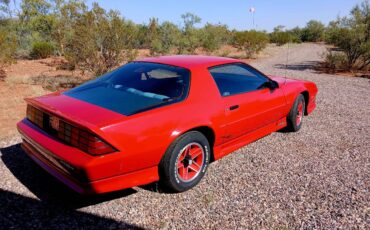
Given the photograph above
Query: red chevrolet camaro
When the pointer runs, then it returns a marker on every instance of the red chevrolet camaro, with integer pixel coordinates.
(158, 119)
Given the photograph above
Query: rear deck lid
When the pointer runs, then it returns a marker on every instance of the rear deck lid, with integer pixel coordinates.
(77, 111)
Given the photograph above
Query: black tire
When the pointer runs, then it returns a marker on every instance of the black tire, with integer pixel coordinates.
(169, 170)
(293, 124)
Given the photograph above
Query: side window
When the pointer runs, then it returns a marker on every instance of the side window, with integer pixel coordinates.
(236, 78)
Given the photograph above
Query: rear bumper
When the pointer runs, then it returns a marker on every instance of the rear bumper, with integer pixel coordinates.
(77, 174)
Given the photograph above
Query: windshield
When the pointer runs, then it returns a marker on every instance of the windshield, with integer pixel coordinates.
(135, 87)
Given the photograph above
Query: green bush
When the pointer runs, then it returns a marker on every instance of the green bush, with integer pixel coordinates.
(166, 40)
(213, 36)
(252, 42)
(280, 38)
(42, 50)
(8, 45)
(334, 61)
(190, 38)
(101, 41)
(295, 34)
(352, 36)
(313, 32)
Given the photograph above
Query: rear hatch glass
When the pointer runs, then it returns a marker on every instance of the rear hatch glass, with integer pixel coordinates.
(135, 87)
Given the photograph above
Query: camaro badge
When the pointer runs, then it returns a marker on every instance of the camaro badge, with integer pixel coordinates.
(54, 123)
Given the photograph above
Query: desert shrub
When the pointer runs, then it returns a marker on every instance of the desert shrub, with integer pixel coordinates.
(280, 37)
(295, 34)
(157, 48)
(191, 37)
(313, 32)
(334, 61)
(101, 41)
(42, 50)
(141, 37)
(352, 36)
(65, 14)
(166, 40)
(252, 42)
(213, 36)
(35, 22)
(8, 45)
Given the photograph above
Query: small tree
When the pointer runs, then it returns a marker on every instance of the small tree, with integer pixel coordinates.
(66, 12)
(296, 34)
(313, 32)
(100, 41)
(190, 39)
(8, 45)
(167, 39)
(279, 36)
(35, 22)
(213, 36)
(352, 35)
(252, 42)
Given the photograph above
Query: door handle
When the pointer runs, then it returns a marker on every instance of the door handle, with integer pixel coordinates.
(233, 107)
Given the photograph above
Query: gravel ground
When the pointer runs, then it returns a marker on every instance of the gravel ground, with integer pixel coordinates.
(317, 178)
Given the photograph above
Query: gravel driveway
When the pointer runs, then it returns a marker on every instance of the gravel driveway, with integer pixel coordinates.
(317, 178)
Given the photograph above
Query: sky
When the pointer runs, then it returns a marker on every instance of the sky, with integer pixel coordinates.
(234, 13)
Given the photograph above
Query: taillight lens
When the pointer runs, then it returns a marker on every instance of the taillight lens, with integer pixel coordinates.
(83, 140)
(35, 116)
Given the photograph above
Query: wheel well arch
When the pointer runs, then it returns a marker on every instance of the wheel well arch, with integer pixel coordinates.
(209, 133)
(306, 100)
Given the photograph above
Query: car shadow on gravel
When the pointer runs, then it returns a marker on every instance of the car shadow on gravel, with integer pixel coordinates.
(20, 212)
(48, 189)
(308, 65)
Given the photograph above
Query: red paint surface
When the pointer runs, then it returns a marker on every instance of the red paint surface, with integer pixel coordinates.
(142, 139)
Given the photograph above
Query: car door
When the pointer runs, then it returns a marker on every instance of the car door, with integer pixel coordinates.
(249, 103)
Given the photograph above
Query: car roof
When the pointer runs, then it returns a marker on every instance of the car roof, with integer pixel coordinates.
(190, 61)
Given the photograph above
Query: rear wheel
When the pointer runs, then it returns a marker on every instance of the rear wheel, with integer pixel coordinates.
(296, 114)
(185, 162)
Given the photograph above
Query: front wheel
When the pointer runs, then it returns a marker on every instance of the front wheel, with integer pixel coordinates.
(296, 114)
(185, 162)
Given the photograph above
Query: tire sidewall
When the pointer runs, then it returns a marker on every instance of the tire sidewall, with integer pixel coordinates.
(186, 139)
(293, 115)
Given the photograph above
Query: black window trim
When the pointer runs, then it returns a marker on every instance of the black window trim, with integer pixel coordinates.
(244, 64)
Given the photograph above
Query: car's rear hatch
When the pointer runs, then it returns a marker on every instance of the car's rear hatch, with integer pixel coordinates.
(67, 110)
(76, 111)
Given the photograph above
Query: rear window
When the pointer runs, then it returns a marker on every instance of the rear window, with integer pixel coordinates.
(135, 87)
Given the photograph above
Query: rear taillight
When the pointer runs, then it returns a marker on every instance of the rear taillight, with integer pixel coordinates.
(83, 140)
(35, 116)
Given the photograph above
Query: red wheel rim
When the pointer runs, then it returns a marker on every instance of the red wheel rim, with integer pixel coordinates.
(190, 162)
(299, 117)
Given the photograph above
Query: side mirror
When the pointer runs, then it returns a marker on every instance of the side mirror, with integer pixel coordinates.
(272, 85)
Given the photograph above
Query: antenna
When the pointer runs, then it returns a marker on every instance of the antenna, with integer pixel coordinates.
(286, 62)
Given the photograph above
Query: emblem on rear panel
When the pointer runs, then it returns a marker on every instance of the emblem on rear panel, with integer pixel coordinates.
(54, 122)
